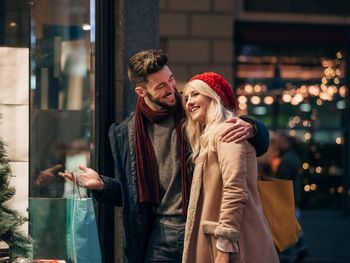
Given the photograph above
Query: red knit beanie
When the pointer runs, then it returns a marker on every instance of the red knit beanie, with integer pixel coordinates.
(220, 86)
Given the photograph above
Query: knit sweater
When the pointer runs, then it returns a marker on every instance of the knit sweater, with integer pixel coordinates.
(164, 139)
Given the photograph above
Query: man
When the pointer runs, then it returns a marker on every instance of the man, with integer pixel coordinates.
(153, 174)
(289, 168)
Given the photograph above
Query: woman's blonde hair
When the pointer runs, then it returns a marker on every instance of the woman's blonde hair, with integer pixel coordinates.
(200, 136)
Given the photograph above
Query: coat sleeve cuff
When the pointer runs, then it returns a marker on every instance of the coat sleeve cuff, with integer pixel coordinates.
(226, 245)
(227, 233)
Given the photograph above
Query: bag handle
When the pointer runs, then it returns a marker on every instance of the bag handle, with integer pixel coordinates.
(271, 178)
(76, 185)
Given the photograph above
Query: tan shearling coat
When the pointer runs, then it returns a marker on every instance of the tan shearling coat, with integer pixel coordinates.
(224, 203)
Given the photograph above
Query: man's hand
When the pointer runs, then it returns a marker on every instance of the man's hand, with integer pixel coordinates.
(89, 179)
(222, 257)
(239, 131)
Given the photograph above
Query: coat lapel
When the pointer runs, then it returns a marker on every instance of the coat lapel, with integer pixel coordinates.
(192, 207)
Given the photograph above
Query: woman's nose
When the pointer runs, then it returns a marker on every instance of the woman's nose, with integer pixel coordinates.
(189, 102)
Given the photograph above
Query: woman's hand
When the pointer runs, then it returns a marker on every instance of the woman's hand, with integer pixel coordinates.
(89, 179)
(239, 131)
(222, 257)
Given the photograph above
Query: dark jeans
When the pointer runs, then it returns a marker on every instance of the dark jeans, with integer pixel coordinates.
(165, 243)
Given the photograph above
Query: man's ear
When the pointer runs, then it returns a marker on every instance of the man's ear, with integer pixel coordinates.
(140, 91)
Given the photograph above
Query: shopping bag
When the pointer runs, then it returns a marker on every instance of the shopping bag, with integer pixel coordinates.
(47, 225)
(82, 237)
(277, 199)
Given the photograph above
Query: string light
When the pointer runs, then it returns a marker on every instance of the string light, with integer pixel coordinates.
(306, 166)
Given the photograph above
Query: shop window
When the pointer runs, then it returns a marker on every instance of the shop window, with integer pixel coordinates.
(62, 105)
(293, 78)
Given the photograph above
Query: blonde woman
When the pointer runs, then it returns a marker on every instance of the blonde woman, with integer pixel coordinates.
(225, 220)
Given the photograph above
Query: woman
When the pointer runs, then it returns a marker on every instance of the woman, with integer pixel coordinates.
(225, 220)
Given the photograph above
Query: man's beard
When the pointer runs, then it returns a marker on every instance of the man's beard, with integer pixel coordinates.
(161, 104)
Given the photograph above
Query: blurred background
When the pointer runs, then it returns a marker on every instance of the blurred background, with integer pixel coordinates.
(63, 82)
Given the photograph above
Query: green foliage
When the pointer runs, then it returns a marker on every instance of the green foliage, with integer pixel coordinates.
(10, 220)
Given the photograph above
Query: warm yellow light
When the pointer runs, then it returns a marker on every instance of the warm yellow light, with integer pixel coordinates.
(325, 63)
(324, 80)
(248, 88)
(286, 98)
(306, 166)
(268, 100)
(242, 99)
(13, 24)
(319, 102)
(318, 169)
(340, 189)
(314, 90)
(324, 96)
(242, 106)
(336, 81)
(338, 140)
(339, 55)
(257, 88)
(291, 124)
(298, 98)
(296, 119)
(342, 91)
(307, 136)
(292, 133)
(303, 89)
(305, 123)
(338, 72)
(307, 188)
(255, 100)
(332, 72)
(313, 187)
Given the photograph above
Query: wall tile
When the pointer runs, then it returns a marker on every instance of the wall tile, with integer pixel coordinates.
(225, 70)
(212, 26)
(189, 5)
(14, 75)
(225, 6)
(222, 51)
(189, 50)
(14, 129)
(173, 24)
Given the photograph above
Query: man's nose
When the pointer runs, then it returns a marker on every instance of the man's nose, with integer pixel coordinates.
(169, 88)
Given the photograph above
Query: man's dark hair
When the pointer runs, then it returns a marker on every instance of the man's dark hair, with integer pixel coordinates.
(144, 63)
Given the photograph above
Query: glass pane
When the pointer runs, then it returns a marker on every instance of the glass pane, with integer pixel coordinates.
(61, 113)
(302, 91)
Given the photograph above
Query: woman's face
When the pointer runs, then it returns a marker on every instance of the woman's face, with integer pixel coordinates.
(196, 105)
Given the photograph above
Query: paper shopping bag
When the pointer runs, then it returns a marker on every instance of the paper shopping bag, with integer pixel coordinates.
(82, 237)
(277, 199)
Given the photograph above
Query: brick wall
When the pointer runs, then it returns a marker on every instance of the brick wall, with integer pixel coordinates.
(197, 35)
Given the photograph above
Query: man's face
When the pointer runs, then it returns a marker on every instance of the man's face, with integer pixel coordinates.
(159, 92)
